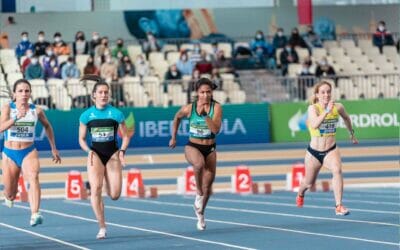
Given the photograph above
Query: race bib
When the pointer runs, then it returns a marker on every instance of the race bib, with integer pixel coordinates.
(22, 131)
(328, 126)
(102, 134)
(200, 132)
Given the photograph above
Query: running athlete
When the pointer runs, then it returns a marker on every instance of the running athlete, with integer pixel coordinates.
(105, 160)
(18, 121)
(205, 115)
(323, 115)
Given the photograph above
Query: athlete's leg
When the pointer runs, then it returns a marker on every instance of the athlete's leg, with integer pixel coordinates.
(333, 162)
(30, 171)
(10, 173)
(208, 177)
(312, 166)
(196, 159)
(113, 177)
(96, 169)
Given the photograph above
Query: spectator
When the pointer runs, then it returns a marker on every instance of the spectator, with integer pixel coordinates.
(195, 55)
(151, 44)
(23, 46)
(312, 39)
(126, 68)
(41, 44)
(119, 48)
(90, 68)
(192, 83)
(184, 65)
(306, 80)
(172, 76)
(70, 70)
(142, 66)
(223, 64)
(382, 36)
(59, 46)
(324, 69)
(34, 70)
(27, 60)
(100, 51)
(109, 70)
(80, 46)
(279, 40)
(216, 79)
(48, 54)
(288, 56)
(52, 69)
(94, 42)
(263, 51)
(214, 51)
(204, 66)
(296, 40)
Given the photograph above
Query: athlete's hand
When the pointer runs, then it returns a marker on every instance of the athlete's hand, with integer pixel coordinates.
(21, 113)
(172, 143)
(56, 156)
(330, 106)
(121, 155)
(353, 139)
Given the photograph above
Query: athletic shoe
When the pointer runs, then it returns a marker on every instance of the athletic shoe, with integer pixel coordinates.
(36, 219)
(201, 224)
(341, 210)
(101, 234)
(8, 203)
(299, 201)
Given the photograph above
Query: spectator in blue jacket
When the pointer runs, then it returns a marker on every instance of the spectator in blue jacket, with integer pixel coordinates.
(23, 46)
(382, 36)
(263, 50)
(34, 70)
(280, 40)
(70, 70)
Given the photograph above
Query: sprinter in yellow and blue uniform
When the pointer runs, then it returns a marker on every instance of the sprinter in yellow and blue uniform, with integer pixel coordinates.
(105, 159)
(18, 120)
(323, 116)
(205, 115)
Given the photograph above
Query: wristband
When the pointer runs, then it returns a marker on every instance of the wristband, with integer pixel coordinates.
(351, 132)
(123, 151)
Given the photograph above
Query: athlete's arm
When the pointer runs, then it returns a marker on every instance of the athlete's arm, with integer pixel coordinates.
(347, 121)
(5, 120)
(184, 111)
(125, 136)
(215, 123)
(50, 134)
(82, 137)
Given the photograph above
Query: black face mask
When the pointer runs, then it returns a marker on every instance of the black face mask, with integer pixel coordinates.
(119, 45)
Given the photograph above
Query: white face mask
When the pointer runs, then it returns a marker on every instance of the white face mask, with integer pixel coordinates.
(24, 38)
(49, 53)
(69, 63)
(95, 37)
(258, 36)
(57, 39)
(381, 28)
(108, 60)
(280, 33)
(52, 64)
(29, 55)
(34, 61)
(41, 38)
(323, 63)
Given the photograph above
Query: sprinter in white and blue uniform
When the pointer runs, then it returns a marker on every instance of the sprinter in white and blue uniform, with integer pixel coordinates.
(105, 159)
(205, 115)
(18, 122)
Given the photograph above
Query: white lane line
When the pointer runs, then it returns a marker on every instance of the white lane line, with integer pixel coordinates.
(243, 224)
(268, 213)
(44, 236)
(306, 206)
(139, 228)
(331, 199)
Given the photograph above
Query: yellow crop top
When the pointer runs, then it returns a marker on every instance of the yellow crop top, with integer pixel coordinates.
(328, 125)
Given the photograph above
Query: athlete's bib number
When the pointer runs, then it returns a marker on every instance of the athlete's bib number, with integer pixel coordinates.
(102, 134)
(328, 127)
(22, 130)
(200, 132)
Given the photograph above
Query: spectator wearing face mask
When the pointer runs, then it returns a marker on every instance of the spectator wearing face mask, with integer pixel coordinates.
(296, 40)
(306, 80)
(126, 68)
(324, 69)
(312, 39)
(49, 53)
(172, 76)
(152, 44)
(23, 45)
(80, 46)
(195, 55)
(70, 70)
(109, 70)
(382, 36)
(142, 66)
(52, 69)
(184, 65)
(59, 46)
(94, 42)
(263, 51)
(119, 48)
(100, 51)
(90, 68)
(41, 44)
(27, 60)
(288, 56)
(279, 40)
(34, 70)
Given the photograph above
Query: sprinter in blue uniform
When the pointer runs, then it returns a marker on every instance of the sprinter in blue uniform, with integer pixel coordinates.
(105, 159)
(205, 115)
(18, 122)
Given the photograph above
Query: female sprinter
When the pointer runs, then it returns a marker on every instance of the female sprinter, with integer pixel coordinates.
(205, 117)
(323, 115)
(105, 160)
(18, 121)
